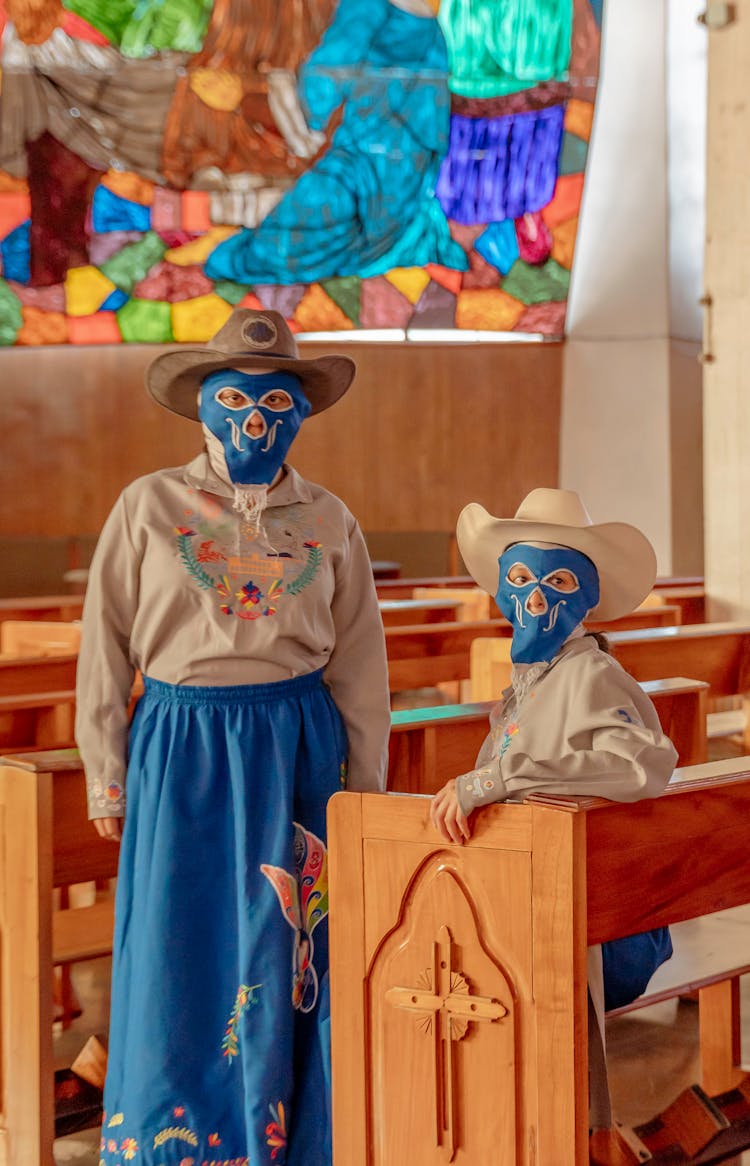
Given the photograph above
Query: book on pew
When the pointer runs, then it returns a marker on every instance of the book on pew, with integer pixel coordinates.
(78, 1104)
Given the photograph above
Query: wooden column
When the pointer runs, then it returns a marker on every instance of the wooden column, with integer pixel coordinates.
(726, 340)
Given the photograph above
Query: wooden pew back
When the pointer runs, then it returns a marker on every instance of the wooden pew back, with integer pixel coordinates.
(45, 841)
(431, 941)
(39, 638)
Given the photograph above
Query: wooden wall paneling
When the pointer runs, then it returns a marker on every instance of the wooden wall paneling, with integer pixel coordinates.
(424, 429)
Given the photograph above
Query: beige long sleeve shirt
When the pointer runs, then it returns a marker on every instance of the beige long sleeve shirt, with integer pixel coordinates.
(584, 727)
(182, 589)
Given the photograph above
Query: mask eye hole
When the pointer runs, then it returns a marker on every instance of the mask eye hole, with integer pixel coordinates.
(519, 575)
(562, 580)
(232, 398)
(276, 399)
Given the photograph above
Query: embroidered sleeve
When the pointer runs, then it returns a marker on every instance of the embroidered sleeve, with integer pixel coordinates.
(357, 672)
(105, 671)
(480, 787)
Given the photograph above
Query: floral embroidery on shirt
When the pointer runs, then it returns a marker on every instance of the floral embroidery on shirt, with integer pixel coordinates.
(253, 580)
(508, 735)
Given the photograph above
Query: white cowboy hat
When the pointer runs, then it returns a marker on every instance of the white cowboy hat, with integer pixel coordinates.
(249, 340)
(622, 555)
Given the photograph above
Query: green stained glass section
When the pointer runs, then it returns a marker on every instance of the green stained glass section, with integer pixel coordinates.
(534, 285)
(346, 294)
(497, 47)
(231, 292)
(141, 28)
(146, 322)
(134, 262)
(11, 317)
(573, 155)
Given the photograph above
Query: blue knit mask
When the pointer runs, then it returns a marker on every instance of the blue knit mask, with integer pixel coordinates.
(255, 417)
(540, 636)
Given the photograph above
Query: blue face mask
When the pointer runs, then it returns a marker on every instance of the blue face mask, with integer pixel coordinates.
(540, 636)
(255, 417)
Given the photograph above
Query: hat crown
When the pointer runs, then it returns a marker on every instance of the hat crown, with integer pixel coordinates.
(556, 507)
(249, 332)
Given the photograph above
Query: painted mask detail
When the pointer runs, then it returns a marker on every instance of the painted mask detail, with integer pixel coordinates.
(255, 417)
(562, 586)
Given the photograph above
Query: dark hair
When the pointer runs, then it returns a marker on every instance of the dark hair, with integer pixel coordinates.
(602, 641)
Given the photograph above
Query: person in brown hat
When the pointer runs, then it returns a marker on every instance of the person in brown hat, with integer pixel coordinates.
(244, 595)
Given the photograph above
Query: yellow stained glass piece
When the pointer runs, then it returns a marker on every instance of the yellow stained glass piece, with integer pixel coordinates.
(410, 281)
(217, 88)
(564, 237)
(316, 312)
(199, 250)
(131, 186)
(200, 318)
(488, 309)
(86, 289)
(579, 117)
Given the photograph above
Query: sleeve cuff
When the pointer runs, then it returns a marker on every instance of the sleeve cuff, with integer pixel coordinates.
(106, 802)
(480, 787)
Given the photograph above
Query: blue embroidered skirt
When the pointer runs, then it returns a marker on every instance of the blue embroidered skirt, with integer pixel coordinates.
(218, 1050)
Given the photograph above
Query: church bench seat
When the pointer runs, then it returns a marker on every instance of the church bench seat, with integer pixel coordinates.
(42, 720)
(46, 841)
(42, 607)
(27, 637)
(424, 656)
(433, 940)
(417, 611)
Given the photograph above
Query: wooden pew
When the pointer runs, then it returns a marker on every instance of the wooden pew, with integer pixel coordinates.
(408, 612)
(423, 656)
(45, 841)
(430, 745)
(37, 721)
(691, 601)
(44, 607)
(26, 637)
(403, 588)
(37, 674)
(431, 942)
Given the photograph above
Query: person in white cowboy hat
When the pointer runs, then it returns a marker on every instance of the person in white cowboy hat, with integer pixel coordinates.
(572, 721)
(244, 595)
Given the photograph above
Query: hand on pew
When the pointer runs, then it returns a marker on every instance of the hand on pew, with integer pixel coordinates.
(447, 816)
(109, 828)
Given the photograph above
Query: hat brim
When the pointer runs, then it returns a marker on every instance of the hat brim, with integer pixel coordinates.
(623, 556)
(174, 378)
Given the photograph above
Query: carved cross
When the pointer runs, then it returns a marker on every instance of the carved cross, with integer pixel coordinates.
(444, 997)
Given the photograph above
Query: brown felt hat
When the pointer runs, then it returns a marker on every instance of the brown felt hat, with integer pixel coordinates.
(623, 556)
(249, 340)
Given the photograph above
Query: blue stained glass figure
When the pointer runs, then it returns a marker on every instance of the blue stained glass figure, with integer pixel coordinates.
(372, 192)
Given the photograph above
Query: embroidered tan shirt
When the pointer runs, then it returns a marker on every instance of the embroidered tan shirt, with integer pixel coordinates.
(182, 589)
(585, 726)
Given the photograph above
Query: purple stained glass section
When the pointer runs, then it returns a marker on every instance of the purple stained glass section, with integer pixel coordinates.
(501, 167)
